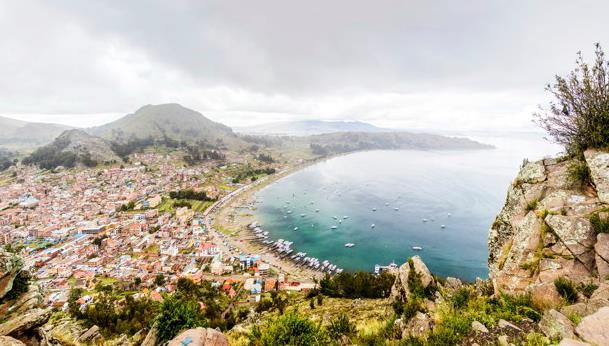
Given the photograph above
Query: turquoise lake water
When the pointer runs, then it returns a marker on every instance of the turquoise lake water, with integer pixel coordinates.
(462, 190)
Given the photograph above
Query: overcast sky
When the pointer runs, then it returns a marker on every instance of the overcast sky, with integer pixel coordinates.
(408, 64)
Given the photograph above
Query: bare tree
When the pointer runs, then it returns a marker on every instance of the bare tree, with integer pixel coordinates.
(578, 117)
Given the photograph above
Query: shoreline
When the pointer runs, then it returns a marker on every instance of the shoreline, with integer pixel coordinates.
(226, 214)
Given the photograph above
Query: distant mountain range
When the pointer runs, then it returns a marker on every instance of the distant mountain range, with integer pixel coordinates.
(17, 134)
(173, 125)
(309, 127)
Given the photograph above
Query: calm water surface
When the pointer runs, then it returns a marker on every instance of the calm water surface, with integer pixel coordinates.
(462, 190)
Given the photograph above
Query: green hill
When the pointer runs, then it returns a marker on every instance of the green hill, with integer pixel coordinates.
(167, 121)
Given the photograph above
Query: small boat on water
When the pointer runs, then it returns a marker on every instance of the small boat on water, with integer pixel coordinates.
(317, 210)
(333, 227)
(345, 217)
(449, 214)
(425, 220)
(396, 209)
(372, 226)
(296, 228)
(443, 226)
(289, 212)
(303, 215)
(340, 221)
(373, 209)
(386, 204)
(349, 245)
(417, 248)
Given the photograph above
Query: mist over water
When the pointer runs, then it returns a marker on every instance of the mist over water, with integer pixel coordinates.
(462, 190)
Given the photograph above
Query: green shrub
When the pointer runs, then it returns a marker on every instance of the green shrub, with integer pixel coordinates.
(341, 326)
(566, 289)
(599, 225)
(289, 329)
(578, 117)
(411, 307)
(578, 174)
(461, 298)
(177, 314)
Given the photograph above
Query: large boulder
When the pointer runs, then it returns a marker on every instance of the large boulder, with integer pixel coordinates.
(200, 337)
(595, 328)
(25, 322)
(556, 325)
(400, 290)
(10, 265)
(598, 162)
(543, 233)
(418, 326)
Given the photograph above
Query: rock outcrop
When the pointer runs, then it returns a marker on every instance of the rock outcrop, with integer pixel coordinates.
(25, 322)
(401, 290)
(544, 231)
(200, 337)
(595, 328)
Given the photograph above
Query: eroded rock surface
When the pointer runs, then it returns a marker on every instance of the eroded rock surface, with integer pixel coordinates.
(544, 231)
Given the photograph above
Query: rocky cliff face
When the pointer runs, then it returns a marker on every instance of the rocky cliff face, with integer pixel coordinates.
(544, 230)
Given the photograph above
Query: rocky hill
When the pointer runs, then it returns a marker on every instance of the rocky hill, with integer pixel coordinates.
(163, 121)
(73, 147)
(16, 134)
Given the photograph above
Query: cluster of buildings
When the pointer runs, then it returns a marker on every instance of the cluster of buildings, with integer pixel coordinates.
(74, 231)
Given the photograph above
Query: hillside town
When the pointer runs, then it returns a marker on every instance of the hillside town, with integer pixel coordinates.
(78, 228)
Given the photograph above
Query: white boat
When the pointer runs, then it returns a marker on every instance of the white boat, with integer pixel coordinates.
(396, 209)
(372, 226)
(373, 209)
(345, 217)
(317, 210)
(417, 248)
(340, 221)
(349, 245)
(289, 212)
(449, 214)
(303, 215)
(296, 228)
(386, 204)
(443, 226)
(333, 227)
(425, 220)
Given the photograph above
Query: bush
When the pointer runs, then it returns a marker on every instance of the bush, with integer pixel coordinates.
(289, 329)
(566, 289)
(578, 118)
(411, 307)
(357, 285)
(461, 298)
(341, 326)
(578, 174)
(178, 314)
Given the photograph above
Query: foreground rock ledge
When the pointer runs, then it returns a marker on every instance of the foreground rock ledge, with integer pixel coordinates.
(200, 337)
(543, 231)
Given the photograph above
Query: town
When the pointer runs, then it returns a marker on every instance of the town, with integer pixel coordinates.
(120, 225)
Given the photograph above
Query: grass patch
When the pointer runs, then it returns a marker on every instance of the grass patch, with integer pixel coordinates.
(599, 224)
(566, 289)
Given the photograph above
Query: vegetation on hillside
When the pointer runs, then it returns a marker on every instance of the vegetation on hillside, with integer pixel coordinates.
(578, 117)
(357, 285)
